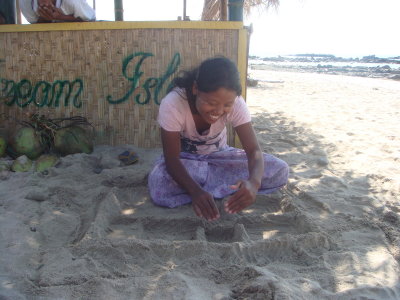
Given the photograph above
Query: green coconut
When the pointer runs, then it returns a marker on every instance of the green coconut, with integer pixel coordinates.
(22, 164)
(72, 140)
(26, 141)
(45, 161)
(4, 166)
(3, 146)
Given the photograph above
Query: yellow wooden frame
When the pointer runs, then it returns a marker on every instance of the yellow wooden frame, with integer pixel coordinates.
(109, 25)
(242, 67)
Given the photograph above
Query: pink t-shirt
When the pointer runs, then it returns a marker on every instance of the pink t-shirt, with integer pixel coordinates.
(175, 115)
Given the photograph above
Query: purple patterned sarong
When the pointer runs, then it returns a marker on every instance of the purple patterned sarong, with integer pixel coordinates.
(214, 172)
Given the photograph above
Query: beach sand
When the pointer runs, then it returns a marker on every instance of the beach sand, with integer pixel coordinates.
(88, 230)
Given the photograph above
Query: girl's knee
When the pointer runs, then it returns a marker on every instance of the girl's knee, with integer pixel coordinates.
(284, 171)
(276, 172)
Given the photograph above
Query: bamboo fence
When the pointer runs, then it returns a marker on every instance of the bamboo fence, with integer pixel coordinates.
(115, 77)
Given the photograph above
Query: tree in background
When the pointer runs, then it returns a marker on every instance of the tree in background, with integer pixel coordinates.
(217, 10)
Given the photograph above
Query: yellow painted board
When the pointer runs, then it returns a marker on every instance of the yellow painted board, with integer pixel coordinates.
(121, 25)
(242, 58)
(242, 66)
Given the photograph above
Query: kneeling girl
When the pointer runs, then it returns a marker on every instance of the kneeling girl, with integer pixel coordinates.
(197, 165)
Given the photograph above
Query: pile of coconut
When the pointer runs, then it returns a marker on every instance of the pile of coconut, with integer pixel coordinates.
(37, 144)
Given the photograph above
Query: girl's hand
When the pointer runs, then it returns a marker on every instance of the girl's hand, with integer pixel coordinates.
(51, 13)
(204, 206)
(243, 197)
(46, 13)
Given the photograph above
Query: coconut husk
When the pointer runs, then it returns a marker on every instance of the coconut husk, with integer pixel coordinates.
(22, 164)
(3, 146)
(71, 140)
(45, 161)
(25, 141)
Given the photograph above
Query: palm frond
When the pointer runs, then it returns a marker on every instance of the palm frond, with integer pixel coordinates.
(260, 5)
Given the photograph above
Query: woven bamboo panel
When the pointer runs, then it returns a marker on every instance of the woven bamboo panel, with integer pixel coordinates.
(117, 77)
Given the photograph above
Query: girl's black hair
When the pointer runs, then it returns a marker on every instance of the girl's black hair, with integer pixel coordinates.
(212, 74)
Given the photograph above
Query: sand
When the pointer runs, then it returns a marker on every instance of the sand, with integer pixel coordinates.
(88, 230)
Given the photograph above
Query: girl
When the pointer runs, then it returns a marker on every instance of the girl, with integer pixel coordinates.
(198, 165)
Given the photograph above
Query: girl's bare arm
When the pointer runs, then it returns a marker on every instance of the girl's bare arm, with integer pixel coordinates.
(203, 202)
(248, 187)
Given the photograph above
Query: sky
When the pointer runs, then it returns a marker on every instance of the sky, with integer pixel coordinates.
(347, 28)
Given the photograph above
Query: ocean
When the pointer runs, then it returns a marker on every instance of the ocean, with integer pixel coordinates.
(332, 63)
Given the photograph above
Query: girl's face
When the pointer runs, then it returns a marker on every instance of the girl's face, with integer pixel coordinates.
(213, 105)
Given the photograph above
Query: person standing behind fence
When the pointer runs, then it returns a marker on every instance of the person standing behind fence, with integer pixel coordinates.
(46, 11)
(198, 165)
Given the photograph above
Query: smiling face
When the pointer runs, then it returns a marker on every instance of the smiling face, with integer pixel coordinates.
(213, 105)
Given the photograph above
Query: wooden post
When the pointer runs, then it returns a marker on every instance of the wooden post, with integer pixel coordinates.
(18, 12)
(184, 11)
(235, 10)
(224, 10)
(119, 10)
(7, 9)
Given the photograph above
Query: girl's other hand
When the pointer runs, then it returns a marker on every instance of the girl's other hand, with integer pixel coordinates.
(204, 206)
(50, 13)
(242, 198)
(45, 13)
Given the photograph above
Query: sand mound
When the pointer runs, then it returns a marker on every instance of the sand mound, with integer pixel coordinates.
(87, 228)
